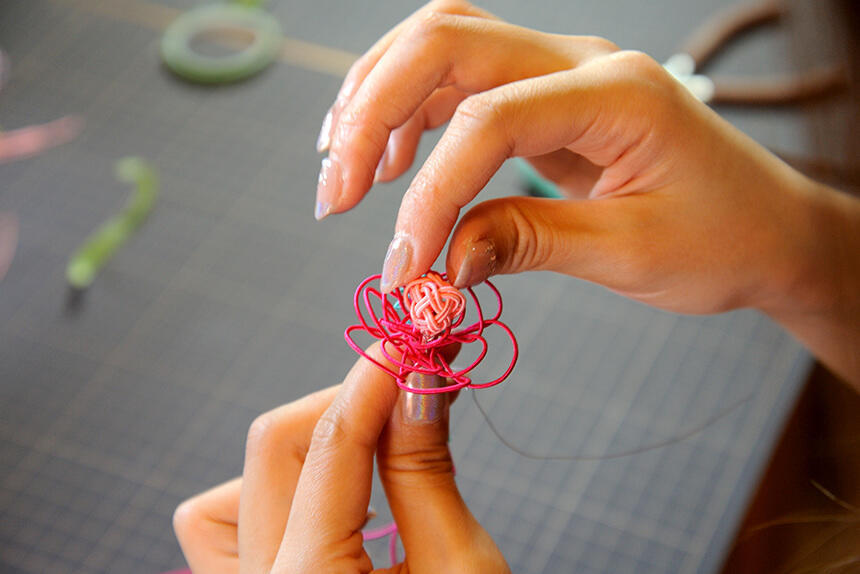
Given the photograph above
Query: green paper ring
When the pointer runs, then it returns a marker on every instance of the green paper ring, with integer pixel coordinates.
(178, 56)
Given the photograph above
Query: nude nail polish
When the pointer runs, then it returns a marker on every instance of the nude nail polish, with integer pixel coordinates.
(423, 408)
(321, 210)
(328, 187)
(479, 262)
(396, 263)
(324, 139)
(381, 166)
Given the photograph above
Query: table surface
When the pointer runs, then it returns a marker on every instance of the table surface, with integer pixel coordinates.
(232, 300)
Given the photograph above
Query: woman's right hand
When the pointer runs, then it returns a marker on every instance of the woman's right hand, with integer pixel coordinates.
(669, 204)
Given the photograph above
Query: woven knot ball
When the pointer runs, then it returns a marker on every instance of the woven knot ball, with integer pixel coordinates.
(433, 304)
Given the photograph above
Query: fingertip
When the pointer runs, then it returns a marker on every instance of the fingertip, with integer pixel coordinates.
(396, 266)
(322, 210)
(477, 263)
(329, 186)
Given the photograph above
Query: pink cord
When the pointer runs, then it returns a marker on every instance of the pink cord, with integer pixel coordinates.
(33, 140)
(433, 304)
(432, 309)
(389, 530)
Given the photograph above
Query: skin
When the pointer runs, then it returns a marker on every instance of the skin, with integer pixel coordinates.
(302, 500)
(669, 204)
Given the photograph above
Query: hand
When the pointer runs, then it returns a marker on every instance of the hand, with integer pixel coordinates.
(302, 500)
(686, 212)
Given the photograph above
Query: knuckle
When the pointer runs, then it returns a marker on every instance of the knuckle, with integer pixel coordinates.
(484, 113)
(418, 465)
(450, 6)
(356, 131)
(645, 85)
(436, 28)
(639, 63)
(186, 518)
(276, 434)
(599, 45)
(260, 435)
(531, 243)
(330, 430)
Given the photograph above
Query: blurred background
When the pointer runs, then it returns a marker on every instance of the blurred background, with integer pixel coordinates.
(119, 402)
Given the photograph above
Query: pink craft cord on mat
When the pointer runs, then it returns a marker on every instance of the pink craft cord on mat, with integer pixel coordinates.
(33, 140)
(23, 143)
(431, 312)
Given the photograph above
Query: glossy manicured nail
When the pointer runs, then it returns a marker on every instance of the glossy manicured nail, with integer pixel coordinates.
(479, 262)
(423, 408)
(321, 210)
(382, 165)
(328, 188)
(324, 138)
(396, 262)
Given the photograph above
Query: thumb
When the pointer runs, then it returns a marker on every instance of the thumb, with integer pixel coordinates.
(593, 240)
(418, 475)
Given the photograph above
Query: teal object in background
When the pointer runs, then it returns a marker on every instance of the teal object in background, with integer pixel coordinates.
(184, 61)
(99, 247)
(535, 183)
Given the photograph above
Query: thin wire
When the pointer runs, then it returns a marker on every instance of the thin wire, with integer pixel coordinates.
(835, 499)
(677, 438)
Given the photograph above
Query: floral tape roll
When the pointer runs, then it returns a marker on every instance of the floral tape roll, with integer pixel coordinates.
(178, 55)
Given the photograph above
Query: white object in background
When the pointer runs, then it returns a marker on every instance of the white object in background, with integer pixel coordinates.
(683, 68)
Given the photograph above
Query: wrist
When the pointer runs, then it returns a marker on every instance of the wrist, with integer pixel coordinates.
(815, 295)
(814, 274)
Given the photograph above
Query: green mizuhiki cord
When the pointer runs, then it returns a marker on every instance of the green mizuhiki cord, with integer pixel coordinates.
(99, 247)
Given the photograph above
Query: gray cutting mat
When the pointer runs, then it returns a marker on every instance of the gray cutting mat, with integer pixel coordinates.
(232, 300)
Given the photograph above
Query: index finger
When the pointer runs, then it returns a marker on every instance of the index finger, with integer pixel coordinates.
(589, 110)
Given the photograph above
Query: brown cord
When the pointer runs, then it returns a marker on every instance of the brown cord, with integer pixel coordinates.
(776, 90)
(713, 35)
(784, 90)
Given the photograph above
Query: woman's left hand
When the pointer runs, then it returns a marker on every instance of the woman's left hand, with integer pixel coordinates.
(302, 501)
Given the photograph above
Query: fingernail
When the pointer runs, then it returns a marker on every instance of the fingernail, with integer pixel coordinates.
(381, 166)
(478, 263)
(396, 262)
(324, 139)
(328, 187)
(321, 209)
(423, 408)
